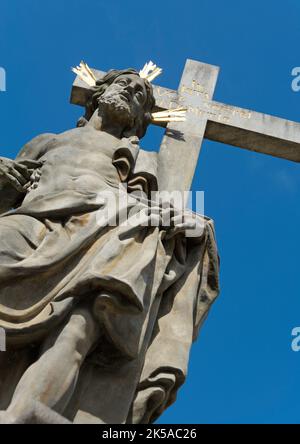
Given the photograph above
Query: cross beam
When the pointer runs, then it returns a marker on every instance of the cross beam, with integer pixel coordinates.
(209, 119)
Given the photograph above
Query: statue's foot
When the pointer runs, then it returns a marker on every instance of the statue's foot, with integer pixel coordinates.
(34, 413)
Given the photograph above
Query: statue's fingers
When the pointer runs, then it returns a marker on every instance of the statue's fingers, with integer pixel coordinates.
(165, 204)
(17, 175)
(154, 210)
(177, 220)
(166, 216)
(180, 228)
(173, 211)
(155, 220)
(22, 169)
(33, 175)
(185, 226)
(31, 163)
(15, 183)
(166, 211)
(27, 185)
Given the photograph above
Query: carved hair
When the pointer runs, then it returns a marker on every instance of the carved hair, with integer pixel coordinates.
(141, 124)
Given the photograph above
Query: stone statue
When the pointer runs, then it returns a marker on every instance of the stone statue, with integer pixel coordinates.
(99, 317)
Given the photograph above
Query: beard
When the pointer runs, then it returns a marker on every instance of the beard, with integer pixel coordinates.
(115, 107)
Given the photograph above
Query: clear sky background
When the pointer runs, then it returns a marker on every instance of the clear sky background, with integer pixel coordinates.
(242, 369)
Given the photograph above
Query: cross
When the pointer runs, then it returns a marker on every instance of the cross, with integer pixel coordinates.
(206, 118)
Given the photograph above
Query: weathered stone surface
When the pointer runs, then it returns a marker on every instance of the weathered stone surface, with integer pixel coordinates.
(181, 144)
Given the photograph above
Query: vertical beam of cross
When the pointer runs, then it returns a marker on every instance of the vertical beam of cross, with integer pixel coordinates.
(182, 141)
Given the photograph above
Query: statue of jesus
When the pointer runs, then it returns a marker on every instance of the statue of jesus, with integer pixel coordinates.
(75, 291)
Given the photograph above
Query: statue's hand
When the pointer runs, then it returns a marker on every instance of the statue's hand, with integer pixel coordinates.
(134, 140)
(18, 173)
(187, 223)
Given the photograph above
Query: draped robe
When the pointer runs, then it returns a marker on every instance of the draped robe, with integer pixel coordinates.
(150, 293)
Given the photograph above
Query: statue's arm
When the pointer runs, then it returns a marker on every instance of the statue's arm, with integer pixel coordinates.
(36, 148)
(15, 174)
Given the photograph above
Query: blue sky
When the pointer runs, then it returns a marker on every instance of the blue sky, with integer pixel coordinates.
(242, 368)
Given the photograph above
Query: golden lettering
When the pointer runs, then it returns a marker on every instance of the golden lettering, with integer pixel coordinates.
(162, 93)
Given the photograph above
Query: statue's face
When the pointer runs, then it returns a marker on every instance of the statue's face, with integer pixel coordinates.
(125, 98)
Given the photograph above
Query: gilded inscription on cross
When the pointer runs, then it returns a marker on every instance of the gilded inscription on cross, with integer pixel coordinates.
(206, 118)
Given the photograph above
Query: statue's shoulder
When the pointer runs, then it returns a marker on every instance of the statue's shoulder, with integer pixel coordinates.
(35, 148)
